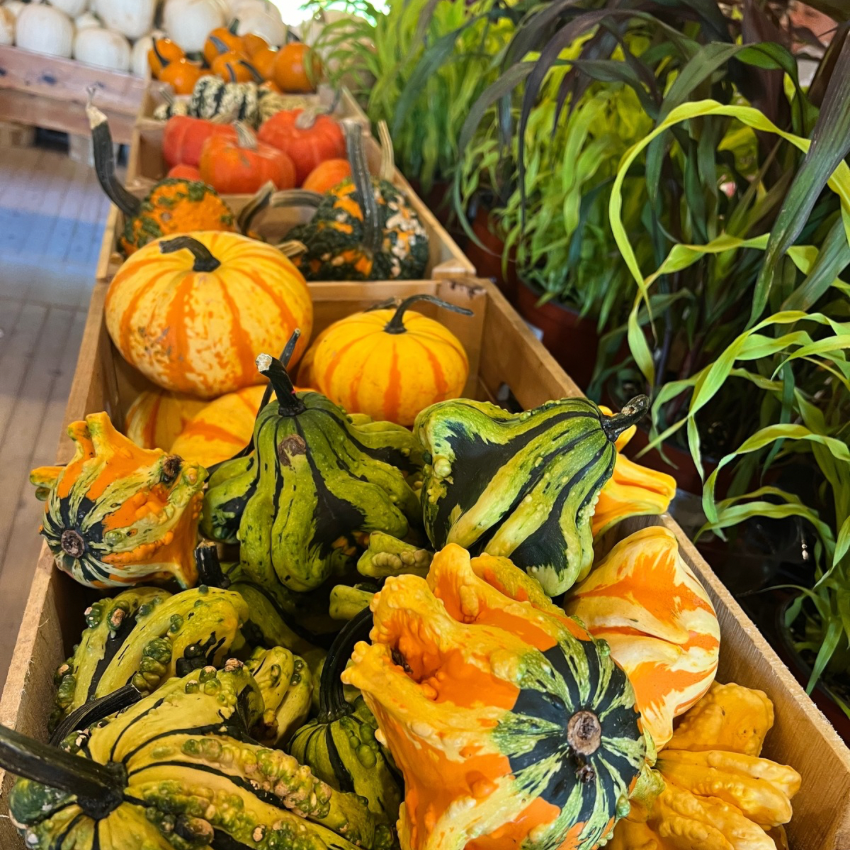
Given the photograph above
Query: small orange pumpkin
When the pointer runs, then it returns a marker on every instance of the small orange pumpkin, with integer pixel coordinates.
(162, 52)
(156, 417)
(184, 172)
(233, 68)
(181, 75)
(252, 44)
(192, 312)
(326, 175)
(221, 40)
(297, 68)
(263, 61)
(390, 363)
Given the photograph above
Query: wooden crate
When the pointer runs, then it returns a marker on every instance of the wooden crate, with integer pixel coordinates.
(49, 92)
(503, 353)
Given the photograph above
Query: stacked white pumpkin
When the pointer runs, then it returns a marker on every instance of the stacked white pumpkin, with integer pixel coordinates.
(117, 34)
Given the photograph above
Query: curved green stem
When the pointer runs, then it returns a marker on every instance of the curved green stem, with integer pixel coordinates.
(204, 260)
(219, 45)
(632, 412)
(95, 711)
(332, 703)
(288, 403)
(98, 788)
(396, 324)
(372, 232)
(210, 572)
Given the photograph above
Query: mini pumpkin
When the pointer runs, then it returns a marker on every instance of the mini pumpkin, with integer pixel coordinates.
(644, 600)
(161, 52)
(221, 40)
(327, 175)
(391, 363)
(183, 138)
(181, 74)
(157, 417)
(297, 68)
(117, 514)
(508, 720)
(191, 312)
(213, 97)
(521, 485)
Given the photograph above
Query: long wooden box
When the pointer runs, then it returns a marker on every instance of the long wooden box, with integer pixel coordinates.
(504, 355)
(50, 92)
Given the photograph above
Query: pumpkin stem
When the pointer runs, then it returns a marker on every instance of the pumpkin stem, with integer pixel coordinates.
(307, 117)
(246, 137)
(396, 324)
(273, 199)
(218, 44)
(373, 236)
(99, 789)
(387, 153)
(162, 60)
(104, 161)
(210, 572)
(632, 412)
(95, 711)
(288, 403)
(258, 77)
(332, 702)
(204, 260)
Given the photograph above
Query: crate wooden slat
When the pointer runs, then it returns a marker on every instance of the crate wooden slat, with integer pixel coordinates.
(507, 355)
(51, 92)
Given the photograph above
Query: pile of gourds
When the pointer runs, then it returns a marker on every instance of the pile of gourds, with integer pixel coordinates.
(361, 647)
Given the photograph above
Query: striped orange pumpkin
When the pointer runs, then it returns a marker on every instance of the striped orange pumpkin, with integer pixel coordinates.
(156, 417)
(192, 312)
(645, 601)
(389, 363)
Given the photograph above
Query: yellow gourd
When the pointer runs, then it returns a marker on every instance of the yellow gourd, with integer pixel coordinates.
(157, 417)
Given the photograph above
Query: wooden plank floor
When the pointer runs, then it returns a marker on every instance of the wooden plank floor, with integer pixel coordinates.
(52, 215)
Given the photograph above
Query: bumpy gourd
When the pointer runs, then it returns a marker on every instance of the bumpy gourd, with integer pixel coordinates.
(520, 485)
(339, 745)
(117, 514)
(632, 489)
(145, 636)
(644, 600)
(716, 793)
(214, 98)
(314, 484)
(507, 719)
(387, 556)
(174, 772)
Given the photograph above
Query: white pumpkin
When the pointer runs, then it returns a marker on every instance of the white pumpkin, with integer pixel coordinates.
(189, 21)
(102, 47)
(139, 57)
(132, 18)
(71, 8)
(44, 29)
(241, 8)
(86, 21)
(7, 27)
(15, 7)
(270, 28)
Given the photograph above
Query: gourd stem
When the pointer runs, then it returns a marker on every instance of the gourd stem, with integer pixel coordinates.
(204, 260)
(210, 572)
(98, 789)
(273, 199)
(372, 233)
(332, 702)
(288, 403)
(258, 77)
(104, 161)
(218, 44)
(387, 153)
(396, 324)
(632, 412)
(259, 202)
(245, 135)
(162, 60)
(95, 711)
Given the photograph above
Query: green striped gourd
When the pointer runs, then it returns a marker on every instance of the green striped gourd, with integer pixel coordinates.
(520, 485)
(315, 484)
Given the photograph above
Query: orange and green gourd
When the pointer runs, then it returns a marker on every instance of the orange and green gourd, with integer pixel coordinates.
(632, 489)
(713, 790)
(512, 726)
(119, 515)
(391, 363)
(520, 485)
(172, 206)
(157, 417)
(179, 771)
(644, 600)
(192, 312)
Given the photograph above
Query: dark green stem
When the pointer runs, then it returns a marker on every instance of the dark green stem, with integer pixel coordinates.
(162, 60)
(396, 324)
(219, 45)
(632, 412)
(95, 711)
(204, 260)
(98, 789)
(210, 572)
(104, 161)
(332, 702)
(258, 77)
(288, 403)
(372, 231)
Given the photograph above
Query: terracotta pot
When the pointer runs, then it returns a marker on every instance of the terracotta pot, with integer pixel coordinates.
(572, 340)
(488, 259)
(822, 696)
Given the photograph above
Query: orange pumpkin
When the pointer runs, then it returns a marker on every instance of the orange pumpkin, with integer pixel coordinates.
(326, 175)
(156, 417)
(390, 363)
(181, 75)
(252, 44)
(184, 172)
(162, 52)
(221, 40)
(263, 61)
(192, 312)
(297, 68)
(243, 166)
(644, 600)
(233, 68)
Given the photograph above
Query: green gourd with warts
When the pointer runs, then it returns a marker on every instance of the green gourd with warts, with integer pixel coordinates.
(177, 771)
(520, 485)
(339, 745)
(301, 503)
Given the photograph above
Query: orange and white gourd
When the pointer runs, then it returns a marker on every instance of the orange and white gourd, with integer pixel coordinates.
(157, 417)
